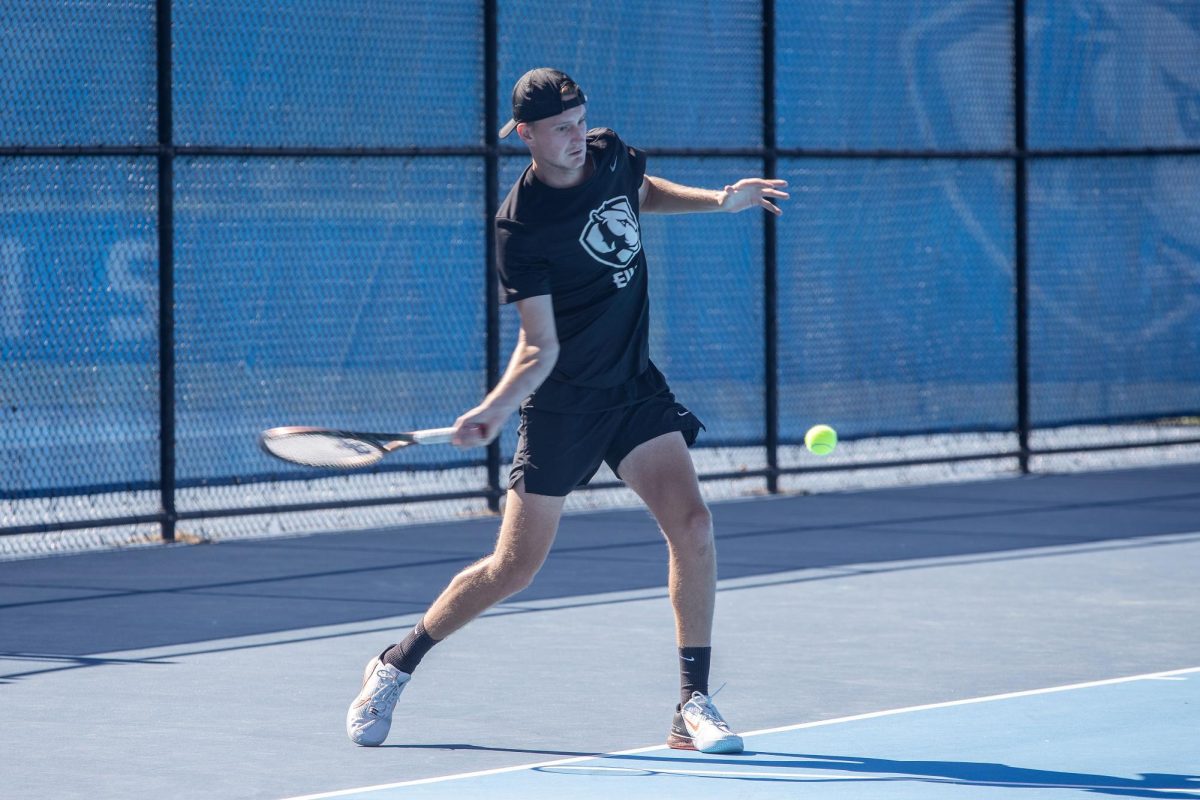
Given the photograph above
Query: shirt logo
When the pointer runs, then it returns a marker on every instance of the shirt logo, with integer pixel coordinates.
(611, 235)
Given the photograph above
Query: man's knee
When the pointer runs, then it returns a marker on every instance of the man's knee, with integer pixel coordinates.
(510, 575)
(698, 521)
(692, 529)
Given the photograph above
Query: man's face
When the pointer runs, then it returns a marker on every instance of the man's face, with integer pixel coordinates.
(559, 141)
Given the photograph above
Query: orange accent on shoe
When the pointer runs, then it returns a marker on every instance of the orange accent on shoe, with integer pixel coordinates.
(677, 742)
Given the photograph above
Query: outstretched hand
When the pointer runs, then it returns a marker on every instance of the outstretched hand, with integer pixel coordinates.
(752, 192)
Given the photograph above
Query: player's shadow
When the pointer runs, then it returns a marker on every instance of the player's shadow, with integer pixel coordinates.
(1159, 786)
(758, 766)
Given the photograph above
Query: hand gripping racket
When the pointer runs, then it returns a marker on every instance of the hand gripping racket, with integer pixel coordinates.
(323, 447)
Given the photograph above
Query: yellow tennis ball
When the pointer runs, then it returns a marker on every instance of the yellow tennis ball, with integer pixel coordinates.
(820, 439)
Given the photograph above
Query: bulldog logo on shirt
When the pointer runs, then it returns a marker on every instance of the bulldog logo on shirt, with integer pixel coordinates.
(612, 237)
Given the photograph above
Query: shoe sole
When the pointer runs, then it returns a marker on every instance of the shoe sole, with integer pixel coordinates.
(372, 665)
(679, 742)
(725, 746)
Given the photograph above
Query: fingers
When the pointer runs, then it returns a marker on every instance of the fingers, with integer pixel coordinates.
(771, 188)
(765, 187)
(749, 192)
(773, 183)
(468, 433)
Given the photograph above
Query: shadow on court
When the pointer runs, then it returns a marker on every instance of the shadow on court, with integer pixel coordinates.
(752, 766)
(55, 612)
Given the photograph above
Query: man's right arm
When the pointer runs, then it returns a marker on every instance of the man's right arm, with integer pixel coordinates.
(532, 362)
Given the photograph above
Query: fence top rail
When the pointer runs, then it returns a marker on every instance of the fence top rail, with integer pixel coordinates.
(11, 150)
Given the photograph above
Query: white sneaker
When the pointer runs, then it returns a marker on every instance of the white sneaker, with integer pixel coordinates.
(699, 726)
(370, 716)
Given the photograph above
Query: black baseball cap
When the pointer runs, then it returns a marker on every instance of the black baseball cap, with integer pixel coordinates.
(541, 93)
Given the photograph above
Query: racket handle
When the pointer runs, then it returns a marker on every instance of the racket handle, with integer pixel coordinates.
(433, 436)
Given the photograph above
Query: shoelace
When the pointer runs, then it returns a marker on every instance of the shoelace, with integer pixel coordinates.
(387, 692)
(708, 711)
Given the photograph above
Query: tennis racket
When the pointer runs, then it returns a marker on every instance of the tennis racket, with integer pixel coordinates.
(323, 447)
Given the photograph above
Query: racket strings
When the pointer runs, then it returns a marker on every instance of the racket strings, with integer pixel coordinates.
(319, 449)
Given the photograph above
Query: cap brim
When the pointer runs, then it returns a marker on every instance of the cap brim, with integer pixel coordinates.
(508, 128)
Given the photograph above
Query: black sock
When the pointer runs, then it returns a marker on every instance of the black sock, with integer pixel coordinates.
(693, 671)
(406, 655)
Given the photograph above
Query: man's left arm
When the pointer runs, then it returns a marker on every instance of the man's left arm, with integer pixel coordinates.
(661, 196)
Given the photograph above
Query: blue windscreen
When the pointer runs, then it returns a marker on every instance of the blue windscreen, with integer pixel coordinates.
(78, 323)
(325, 72)
(77, 73)
(706, 302)
(342, 293)
(896, 297)
(906, 74)
(345, 286)
(664, 76)
(1113, 74)
(1114, 304)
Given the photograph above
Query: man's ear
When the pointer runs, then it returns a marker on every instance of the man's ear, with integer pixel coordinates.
(524, 131)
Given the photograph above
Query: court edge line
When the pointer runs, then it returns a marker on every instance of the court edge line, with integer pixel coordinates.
(781, 729)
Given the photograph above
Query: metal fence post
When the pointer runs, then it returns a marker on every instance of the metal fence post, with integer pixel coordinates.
(491, 202)
(1020, 234)
(770, 275)
(166, 270)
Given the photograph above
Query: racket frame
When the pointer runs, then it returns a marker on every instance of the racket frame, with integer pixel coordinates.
(382, 443)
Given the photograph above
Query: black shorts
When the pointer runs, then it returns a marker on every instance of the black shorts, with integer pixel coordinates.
(558, 452)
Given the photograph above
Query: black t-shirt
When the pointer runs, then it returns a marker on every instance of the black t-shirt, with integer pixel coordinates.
(582, 246)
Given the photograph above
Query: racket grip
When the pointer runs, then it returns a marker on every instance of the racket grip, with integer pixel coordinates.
(433, 436)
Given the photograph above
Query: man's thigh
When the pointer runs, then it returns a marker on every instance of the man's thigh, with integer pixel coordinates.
(528, 528)
(661, 472)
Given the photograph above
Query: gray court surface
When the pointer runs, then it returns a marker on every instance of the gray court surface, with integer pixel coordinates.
(224, 671)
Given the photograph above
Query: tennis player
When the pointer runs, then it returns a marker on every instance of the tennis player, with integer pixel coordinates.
(570, 257)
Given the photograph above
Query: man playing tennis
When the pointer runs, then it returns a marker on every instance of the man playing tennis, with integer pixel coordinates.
(570, 257)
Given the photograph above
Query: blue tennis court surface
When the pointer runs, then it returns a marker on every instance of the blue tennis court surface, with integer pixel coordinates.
(1122, 738)
(900, 643)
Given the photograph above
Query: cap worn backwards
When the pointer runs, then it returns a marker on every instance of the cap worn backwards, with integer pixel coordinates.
(542, 93)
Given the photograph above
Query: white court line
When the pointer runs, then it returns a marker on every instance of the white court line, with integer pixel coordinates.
(800, 726)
